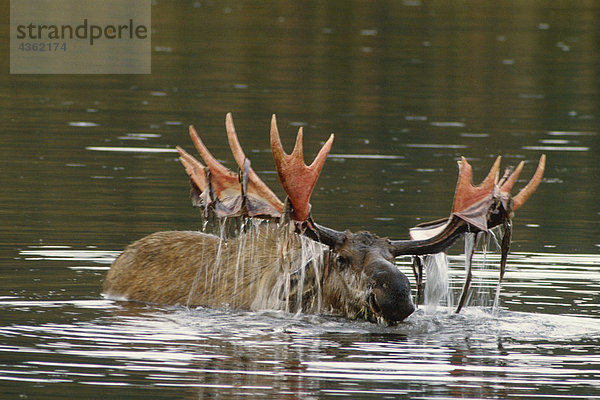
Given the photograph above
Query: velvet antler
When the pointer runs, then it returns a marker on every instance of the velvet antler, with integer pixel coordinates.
(261, 200)
(471, 203)
(475, 208)
(228, 193)
(528, 190)
(221, 188)
(298, 179)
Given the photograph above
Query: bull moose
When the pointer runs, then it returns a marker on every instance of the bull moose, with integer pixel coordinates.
(281, 258)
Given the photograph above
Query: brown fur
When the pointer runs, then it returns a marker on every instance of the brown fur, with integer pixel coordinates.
(268, 267)
(252, 271)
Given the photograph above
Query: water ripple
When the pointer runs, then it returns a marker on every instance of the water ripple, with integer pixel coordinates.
(116, 345)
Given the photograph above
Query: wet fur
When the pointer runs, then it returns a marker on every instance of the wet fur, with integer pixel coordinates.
(267, 267)
(180, 267)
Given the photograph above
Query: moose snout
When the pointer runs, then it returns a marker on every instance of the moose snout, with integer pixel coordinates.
(390, 294)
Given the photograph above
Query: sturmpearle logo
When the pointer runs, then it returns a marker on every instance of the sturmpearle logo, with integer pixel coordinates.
(80, 37)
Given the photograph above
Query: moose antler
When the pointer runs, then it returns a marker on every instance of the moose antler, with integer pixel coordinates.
(258, 192)
(528, 190)
(475, 208)
(471, 203)
(298, 179)
(228, 193)
(476, 205)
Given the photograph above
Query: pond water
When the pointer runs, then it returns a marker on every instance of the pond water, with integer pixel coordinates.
(88, 166)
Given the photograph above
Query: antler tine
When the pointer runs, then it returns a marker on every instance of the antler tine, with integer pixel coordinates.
(466, 194)
(528, 190)
(234, 144)
(262, 189)
(213, 164)
(194, 169)
(298, 179)
(223, 177)
(319, 161)
(276, 147)
(510, 181)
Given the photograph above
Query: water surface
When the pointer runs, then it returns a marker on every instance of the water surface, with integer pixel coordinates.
(88, 165)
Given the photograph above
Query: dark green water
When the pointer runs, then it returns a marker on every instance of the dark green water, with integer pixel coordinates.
(407, 88)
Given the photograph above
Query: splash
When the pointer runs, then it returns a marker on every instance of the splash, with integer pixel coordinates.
(437, 288)
(442, 285)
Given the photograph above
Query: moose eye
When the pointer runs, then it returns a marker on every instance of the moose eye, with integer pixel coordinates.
(342, 262)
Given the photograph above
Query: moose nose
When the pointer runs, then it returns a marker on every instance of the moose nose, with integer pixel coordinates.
(390, 294)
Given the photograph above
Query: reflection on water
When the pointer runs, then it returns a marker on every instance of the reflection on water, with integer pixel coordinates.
(88, 164)
(212, 353)
(205, 352)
